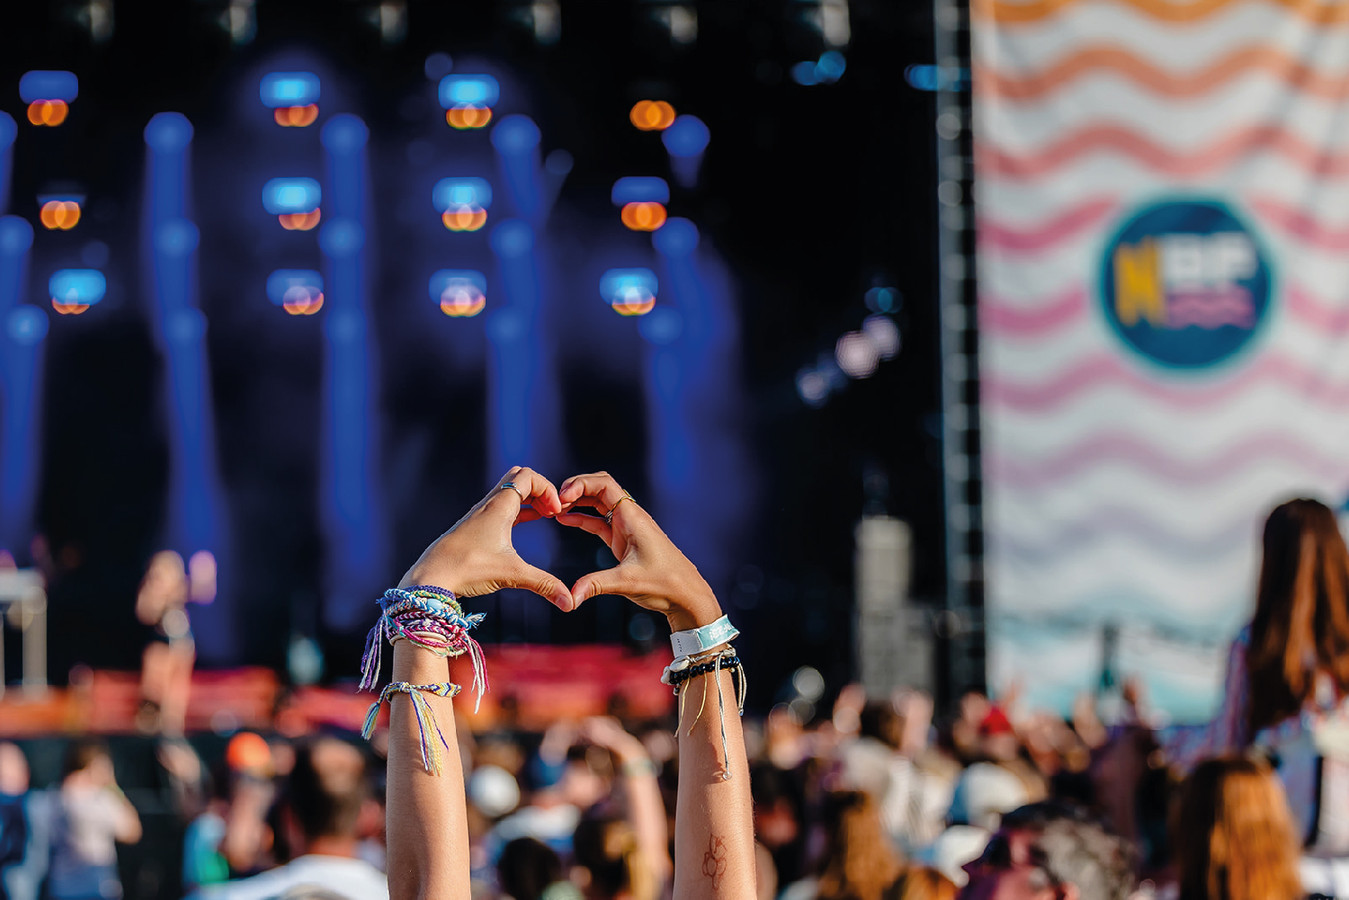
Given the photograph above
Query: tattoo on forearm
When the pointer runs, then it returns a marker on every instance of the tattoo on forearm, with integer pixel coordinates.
(714, 860)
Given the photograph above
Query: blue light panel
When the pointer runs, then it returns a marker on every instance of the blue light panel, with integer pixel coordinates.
(86, 286)
(291, 195)
(469, 90)
(448, 279)
(687, 137)
(280, 89)
(43, 84)
(451, 193)
(640, 189)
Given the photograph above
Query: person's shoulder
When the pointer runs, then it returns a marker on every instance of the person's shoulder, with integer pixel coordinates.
(351, 878)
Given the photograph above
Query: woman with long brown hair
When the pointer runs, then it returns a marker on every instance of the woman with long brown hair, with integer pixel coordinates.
(1234, 838)
(858, 861)
(1288, 672)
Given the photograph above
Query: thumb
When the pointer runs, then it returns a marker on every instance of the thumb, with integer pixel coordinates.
(605, 581)
(547, 586)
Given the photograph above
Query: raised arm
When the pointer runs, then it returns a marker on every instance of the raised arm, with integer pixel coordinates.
(714, 831)
(427, 822)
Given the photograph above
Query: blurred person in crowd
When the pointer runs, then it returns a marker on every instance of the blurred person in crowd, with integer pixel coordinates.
(531, 870)
(427, 822)
(166, 664)
(231, 837)
(924, 883)
(613, 863)
(320, 811)
(858, 861)
(1288, 674)
(1234, 837)
(1048, 851)
(641, 801)
(91, 816)
(13, 815)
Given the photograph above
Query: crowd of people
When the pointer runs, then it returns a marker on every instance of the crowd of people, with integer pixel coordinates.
(878, 799)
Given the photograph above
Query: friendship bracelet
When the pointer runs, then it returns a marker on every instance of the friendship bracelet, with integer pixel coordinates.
(678, 678)
(432, 618)
(422, 711)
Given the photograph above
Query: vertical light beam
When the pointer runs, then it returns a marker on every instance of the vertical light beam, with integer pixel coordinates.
(195, 509)
(9, 130)
(516, 141)
(24, 328)
(355, 553)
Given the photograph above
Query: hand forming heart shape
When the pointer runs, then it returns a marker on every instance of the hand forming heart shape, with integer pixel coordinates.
(477, 557)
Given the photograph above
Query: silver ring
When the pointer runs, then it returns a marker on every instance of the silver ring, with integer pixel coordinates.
(511, 486)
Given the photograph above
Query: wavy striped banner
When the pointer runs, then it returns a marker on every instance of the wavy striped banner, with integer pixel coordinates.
(1152, 177)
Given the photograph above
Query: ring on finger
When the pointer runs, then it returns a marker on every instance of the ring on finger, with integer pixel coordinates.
(511, 486)
(609, 516)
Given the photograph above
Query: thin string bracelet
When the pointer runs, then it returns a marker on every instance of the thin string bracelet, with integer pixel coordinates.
(422, 712)
(431, 617)
(740, 685)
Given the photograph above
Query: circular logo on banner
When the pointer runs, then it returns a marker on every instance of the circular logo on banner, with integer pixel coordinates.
(1185, 283)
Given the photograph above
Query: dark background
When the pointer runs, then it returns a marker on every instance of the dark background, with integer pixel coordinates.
(810, 195)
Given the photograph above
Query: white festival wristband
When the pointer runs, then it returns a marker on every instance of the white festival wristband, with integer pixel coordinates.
(696, 640)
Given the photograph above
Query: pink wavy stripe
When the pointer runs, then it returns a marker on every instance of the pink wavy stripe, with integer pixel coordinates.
(1119, 139)
(1098, 372)
(1324, 315)
(994, 235)
(999, 316)
(1153, 461)
(1302, 225)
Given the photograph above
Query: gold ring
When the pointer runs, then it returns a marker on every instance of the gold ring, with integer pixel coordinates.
(511, 486)
(609, 516)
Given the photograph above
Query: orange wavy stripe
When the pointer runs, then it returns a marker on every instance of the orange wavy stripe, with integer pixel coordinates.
(1242, 143)
(1318, 13)
(1108, 57)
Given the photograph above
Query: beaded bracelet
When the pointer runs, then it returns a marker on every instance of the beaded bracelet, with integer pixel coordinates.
(431, 617)
(710, 664)
(422, 711)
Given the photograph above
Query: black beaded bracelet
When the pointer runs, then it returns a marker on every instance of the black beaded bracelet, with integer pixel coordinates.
(678, 678)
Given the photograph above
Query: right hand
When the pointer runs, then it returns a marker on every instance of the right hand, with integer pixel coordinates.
(651, 570)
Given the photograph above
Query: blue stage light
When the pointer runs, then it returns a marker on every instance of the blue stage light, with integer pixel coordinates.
(75, 290)
(16, 236)
(286, 89)
(515, 134)
(297, 291)
(41, 84)
(631, 292)
(662, 327)
(687, 137)
(640, 189)
(805, 73)
(168, 132)
(481, 91)
(450, 193)
(678, 238)
(26, 325)
(291, 195)
(9, 130)
(460, 293)
(830, 67)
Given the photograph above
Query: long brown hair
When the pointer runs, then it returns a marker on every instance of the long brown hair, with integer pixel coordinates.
(859, 863)
(1301, 622)
(1234, 835)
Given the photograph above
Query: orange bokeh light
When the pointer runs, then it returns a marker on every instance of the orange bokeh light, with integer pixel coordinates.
(652, 115)
(462, 304)
(299, 221)
(60, 215)
(468, 116)
(296, 116)
(635, 307)
(69, 309)
(303, 302)
(643, 216)
(48, 112)
(464, 218)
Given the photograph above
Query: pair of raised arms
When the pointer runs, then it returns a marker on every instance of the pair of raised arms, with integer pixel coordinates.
(428, 853)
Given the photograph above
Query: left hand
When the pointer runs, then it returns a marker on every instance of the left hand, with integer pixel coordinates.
(476, 556)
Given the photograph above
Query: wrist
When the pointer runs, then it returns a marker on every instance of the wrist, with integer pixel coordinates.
(704, 610)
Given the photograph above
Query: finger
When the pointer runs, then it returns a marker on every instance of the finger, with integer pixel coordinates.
(606, 581)
(599, 486)
(533, 490)
(590, 524)
(527, 514)
(546, 585)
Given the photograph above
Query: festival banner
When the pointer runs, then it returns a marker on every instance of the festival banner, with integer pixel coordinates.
(1162, 197)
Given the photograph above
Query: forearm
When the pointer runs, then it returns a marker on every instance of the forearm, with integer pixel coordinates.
(427, 824)
(714, 829)
(646, 812)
